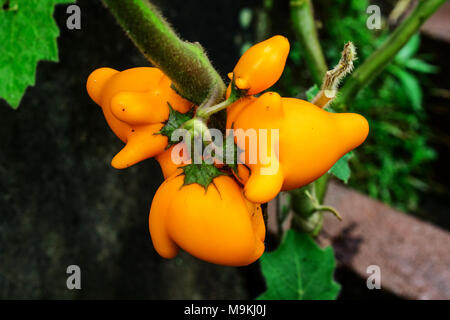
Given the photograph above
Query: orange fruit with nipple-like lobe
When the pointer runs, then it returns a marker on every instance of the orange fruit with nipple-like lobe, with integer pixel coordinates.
(308, 143)
(217, 225)
(135, 103)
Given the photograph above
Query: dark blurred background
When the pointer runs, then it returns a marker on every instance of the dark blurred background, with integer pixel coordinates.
(61, 203)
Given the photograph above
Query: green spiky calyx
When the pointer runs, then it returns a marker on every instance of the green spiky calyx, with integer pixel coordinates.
(175, 121)
(201, 173)
(186, 64)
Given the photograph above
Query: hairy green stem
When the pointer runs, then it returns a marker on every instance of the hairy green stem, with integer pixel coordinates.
(186, 64)
(305, 29)
(379, 59)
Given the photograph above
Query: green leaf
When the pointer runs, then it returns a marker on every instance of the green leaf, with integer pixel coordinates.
(411, 86)
(27, 34)
(341, 169)
(201, 173)
(299, 270)
(312, 92)
(421, 66)
(409, 49)
(175, 121)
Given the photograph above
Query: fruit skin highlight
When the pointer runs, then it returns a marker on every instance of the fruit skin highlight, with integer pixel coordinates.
(135, 103)
(310, 142)
(217, 225)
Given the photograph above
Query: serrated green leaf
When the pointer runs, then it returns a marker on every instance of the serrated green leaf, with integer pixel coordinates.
(27, 35)
(341, 169)
(312, 92)
(201, 173)
(299, 270)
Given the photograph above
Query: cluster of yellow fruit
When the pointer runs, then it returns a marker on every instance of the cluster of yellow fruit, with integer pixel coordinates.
(220, 220)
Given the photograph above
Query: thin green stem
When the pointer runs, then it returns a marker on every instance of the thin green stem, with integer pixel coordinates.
(205, 113)
(320, 186)
(186, 64)
(330, 209)
(305, 29)
(379, 59)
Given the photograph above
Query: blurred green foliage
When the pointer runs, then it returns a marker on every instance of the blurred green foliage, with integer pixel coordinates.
(393, 163)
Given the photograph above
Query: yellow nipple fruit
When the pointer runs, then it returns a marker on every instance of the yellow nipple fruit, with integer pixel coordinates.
(212, 222)
(298, 143)
(135, 103)
(261, 65)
